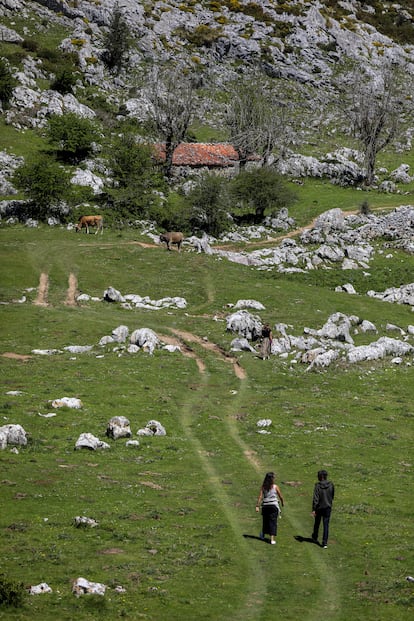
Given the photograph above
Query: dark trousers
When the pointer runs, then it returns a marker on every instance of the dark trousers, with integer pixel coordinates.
(324, 515)
(269, 515)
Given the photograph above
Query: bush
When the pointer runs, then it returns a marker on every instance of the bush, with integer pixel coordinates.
(64, 81)
(11, 593)
(201, 36)
(117, 41)
(208, 205)
(364, 208)
(45, 183)
(71, 136)
(261, 189)
(30, 45)
(7, 83)
(135, 177)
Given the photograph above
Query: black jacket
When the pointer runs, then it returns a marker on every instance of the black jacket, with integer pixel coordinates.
(323, 495)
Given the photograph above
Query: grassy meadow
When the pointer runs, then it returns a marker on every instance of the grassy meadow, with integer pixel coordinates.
(177, 526)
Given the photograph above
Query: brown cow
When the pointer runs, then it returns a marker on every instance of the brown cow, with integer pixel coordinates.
(173, 237)
(90, 221)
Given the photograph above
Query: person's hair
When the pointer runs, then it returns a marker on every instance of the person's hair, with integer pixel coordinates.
(269, 480)
(322, 475)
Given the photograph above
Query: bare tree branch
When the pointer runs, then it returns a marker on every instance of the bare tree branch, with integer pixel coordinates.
(263, 116)
(173, 97)
(376, 107)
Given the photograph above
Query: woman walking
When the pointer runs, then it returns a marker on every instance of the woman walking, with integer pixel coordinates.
(268, 499)
(266, 345)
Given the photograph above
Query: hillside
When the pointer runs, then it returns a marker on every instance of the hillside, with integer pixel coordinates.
(72, 58)
(138, 418)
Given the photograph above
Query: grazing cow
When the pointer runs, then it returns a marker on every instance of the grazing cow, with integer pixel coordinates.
(90, 221)
(173, 237)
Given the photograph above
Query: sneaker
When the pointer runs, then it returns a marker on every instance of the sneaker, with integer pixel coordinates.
(273, 543)
(324, 547)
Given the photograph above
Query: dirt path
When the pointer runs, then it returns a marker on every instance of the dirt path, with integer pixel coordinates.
(272, 240)
(72, 290)
(14, 356)
(212, 347)
(42, 291)
(185, 350)
(298, 231)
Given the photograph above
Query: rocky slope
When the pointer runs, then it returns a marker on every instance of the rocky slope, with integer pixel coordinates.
(297, 39)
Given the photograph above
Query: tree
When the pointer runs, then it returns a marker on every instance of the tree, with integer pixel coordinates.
(264, 116)
(261, 189)
(72, 136)
(375, 105)
(64, 81)
(45, 183)
(135, 177)
(208, 205)
(7, 83)
(117, 41)
(172, 97)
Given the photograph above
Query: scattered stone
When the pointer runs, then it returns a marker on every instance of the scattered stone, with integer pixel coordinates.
(81, 520)
(152, 428)
(91, 442)
(81, 586)
(245, 324)
(78, 349)
(118, 427)
(249, 304)
(264, 422)
(347, 288)
(12, 435)
(46, 352)
(133, 443)
(146, 339)
(38, 589)
(113, 295)
(68, 402)
(241, 344)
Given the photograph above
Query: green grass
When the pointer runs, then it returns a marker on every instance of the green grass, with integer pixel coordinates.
(316, 196)
(173, 512)
(25, 143)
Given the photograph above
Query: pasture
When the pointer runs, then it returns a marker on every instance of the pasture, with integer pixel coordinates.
(177, 523)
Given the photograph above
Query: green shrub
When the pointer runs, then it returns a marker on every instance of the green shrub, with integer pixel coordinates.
(64, 81)
(259, 190)
(71, 136)
(7, 83)
(135, 177)
(364, 208)
(202, 36)
(117, 41)
(30, 45)
(390, 21)
(207, 204)
(282, 29)
(172, 214)
(51, 55)
(45, 184)
(11, 593)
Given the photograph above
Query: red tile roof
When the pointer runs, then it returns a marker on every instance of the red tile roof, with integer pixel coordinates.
(201, 154)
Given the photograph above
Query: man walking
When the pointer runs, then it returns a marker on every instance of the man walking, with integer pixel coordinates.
(323, 495)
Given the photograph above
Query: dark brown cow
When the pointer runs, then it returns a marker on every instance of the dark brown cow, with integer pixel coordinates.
(173, 237)
(90, 221)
